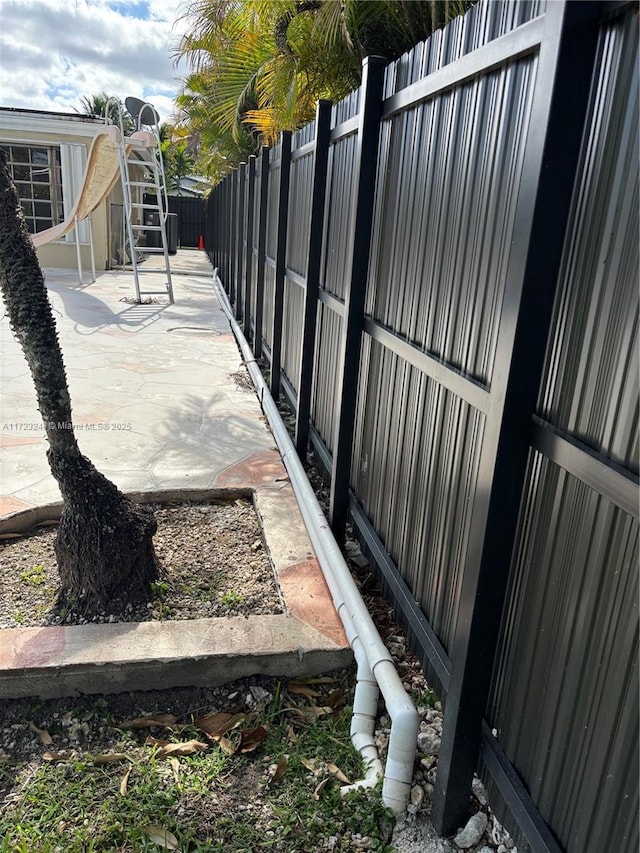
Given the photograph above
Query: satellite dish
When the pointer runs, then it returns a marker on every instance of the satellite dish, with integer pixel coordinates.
(141, 112)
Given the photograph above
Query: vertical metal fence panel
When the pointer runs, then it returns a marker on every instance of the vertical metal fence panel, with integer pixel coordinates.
(357, 266)
(443, 219)
(342, 162)
(448, 177)
(346, 108)
(591, 389)
(254, 248)
(292, 324)
(275, 373)
(300, 200)
(241, 239)
(571, 726)
(414, 471)
(313, 259)
(333, 268)
(261, 251)
(323, 409)
(248, 249)
(271, 246)
(234, 225)
(267, 321)
(301, 182)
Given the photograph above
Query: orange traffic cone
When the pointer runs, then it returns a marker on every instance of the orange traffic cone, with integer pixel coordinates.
(201, 242)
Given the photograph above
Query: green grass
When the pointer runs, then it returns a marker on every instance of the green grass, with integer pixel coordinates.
(210, 801)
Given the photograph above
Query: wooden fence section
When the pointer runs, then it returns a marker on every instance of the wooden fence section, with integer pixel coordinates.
(441, 273)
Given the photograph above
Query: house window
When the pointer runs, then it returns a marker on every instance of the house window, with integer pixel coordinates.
(35, 170)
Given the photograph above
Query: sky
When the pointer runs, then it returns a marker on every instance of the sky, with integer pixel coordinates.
(55, 52)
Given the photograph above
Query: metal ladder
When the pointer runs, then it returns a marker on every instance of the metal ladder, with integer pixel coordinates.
(141, 152)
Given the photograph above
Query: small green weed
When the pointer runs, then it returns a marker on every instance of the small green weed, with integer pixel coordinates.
(231, 598)
(426, 697)
(34, 576)
(159, 589)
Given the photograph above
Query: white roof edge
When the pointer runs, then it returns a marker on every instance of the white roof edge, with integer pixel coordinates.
(49, 123)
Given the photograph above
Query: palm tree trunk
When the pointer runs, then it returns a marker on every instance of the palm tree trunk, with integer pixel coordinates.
(104, 541)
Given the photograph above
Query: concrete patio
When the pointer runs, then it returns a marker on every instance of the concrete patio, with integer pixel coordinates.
(161, 403)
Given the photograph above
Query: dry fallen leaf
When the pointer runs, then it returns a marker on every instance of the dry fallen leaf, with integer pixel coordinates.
(43, 735)
(311, 764)
(125, 781)
(219, 723)
(250, 739)
(175, 767)
(335, 771)
(146, 722)
(320, 788)
(150, 740)
(310, 714)
(302, 689)
(277, 771)
(336, 699)
(189, 747)
(55, 756)
(108, 757)
(226, 745)
(161, 836)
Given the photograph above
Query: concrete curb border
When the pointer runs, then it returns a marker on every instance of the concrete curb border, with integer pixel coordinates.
(61, 661)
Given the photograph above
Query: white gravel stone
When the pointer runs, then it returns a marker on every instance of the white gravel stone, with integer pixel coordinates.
(417, 795)
(500, 836)
(472, 832)
(429, 742)
(259, 693)
(479, 791)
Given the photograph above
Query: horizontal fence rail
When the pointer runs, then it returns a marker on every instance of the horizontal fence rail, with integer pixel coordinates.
(440, 273)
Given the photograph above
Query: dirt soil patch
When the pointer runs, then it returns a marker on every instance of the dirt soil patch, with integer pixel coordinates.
(213, 563)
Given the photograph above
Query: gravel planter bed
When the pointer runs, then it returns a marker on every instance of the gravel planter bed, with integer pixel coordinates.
(213, 563)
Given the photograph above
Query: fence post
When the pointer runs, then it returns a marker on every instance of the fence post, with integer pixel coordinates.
(220, 226)
(225, 216)
(209, 238)
(281, 261)
(560, 105)
(248, 262)
(262, 248)
(360, 242)
(242, 185)
(233, 232)
(314, 255)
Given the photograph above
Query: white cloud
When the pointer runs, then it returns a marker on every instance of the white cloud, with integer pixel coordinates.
(54, 52)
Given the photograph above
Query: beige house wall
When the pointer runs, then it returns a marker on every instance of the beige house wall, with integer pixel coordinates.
(51, 129)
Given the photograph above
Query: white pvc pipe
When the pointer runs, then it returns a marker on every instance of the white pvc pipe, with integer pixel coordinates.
(361, 631)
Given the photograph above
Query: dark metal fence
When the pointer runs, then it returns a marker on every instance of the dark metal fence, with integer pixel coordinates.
(441, 272)
(191, 218)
